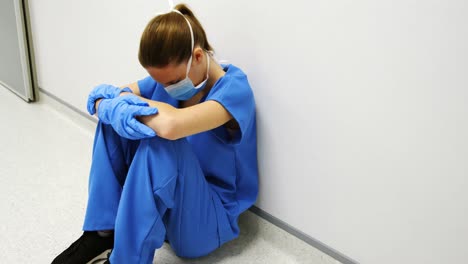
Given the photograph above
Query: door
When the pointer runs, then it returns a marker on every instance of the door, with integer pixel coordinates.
(15, 68)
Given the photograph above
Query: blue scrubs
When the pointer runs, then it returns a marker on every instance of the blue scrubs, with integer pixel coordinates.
(189, 191)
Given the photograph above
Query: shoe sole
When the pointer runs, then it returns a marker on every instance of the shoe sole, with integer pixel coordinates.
(103, 255)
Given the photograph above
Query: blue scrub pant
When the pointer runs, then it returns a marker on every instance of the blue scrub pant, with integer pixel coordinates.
(147, 191)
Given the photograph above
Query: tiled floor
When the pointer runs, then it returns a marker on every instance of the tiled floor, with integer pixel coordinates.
(44, 164)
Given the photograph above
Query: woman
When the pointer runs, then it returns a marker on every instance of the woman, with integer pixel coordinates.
(171, 161)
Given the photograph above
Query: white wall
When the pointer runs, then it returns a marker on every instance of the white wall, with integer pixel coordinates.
(362, 108)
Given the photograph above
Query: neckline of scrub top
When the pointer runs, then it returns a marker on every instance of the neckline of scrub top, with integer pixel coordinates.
(225, 69)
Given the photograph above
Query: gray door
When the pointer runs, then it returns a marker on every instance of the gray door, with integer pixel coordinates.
(15, 73)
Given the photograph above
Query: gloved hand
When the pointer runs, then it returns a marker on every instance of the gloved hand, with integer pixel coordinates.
(121, 111)
(105, 91)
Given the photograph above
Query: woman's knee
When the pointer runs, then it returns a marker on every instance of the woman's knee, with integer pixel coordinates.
(195, 250)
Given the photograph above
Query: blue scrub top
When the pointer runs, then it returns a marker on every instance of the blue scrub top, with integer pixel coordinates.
(228, 159)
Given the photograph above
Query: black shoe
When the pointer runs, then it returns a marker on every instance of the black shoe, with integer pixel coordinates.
(87, 247)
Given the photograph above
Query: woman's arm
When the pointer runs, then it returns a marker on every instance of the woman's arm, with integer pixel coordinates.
(174, 123)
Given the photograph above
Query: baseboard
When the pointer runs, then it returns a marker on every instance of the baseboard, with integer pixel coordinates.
(302, 236)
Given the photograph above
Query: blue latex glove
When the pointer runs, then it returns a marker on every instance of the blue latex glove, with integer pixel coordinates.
(101, 91)
(121, 111)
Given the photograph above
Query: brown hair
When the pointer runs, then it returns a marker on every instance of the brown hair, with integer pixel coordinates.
(166, 38)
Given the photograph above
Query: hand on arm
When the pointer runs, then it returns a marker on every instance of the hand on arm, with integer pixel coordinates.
(170, 122)
(121, 112)
(103, 91)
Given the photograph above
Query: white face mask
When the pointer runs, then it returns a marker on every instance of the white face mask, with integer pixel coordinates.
(184, 89)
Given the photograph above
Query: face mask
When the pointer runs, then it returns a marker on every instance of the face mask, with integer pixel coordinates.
(184, 90)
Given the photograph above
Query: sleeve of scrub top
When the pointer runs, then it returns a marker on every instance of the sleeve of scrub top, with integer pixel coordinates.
(147, 87)
(235, 95)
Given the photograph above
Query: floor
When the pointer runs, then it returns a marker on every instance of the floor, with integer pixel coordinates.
(45, 153)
